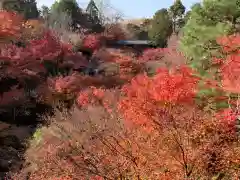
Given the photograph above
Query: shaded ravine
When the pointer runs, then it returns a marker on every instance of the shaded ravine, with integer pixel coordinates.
(14, 133)
(15, 130)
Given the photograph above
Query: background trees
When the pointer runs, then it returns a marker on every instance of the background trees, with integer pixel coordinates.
(66, 8)
(138, 32)
(28, 8)
(75, 16)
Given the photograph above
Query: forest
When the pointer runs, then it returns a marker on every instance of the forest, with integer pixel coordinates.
(74, 108)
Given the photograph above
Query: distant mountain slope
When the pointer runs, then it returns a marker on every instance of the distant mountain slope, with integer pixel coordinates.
(133, 21)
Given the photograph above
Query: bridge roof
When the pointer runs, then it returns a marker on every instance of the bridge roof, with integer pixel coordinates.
(133, 42)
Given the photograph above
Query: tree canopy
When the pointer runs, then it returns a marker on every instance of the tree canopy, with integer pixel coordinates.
(208, 21)
(70, 9)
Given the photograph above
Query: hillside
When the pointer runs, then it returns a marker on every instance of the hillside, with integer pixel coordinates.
(86, 103)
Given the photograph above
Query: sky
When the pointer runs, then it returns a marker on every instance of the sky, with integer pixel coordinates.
(132, 8)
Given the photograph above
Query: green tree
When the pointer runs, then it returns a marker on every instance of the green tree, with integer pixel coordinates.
(30, 9)
(208, 21)
(177, 11)
(13, 5)
(161, 28)
(69, 8)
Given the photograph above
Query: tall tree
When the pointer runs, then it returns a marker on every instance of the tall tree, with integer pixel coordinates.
(161, 28)
(177, 11)
(93, 11)
(30, 9)
(69, 8)
(208, 21)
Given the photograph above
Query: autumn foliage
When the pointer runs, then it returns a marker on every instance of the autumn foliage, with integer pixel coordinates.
(147, 96)
(125, 125)
(229, 66)
(11, 24)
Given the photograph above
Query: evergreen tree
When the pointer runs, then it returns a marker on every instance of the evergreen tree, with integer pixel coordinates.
(177, 11)
(93, 11)
(161, 28)
(65, 8)
(69, 6)
(29, 9)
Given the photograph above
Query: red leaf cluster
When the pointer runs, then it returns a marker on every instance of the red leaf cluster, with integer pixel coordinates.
(10, 24)
(145, 96)
(96, 96)
(46, 48)
(92, 41)
(227, 118)
(230, 65)
(177, 87)
(65, 85)
(90, 96)
(229, 43)
(153, 54)
(128, 67)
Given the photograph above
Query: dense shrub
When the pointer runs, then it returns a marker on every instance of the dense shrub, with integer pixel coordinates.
(11, 24)
(92, 42)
